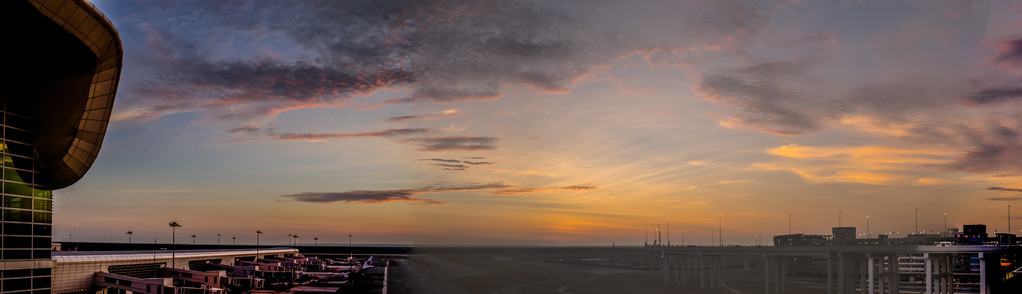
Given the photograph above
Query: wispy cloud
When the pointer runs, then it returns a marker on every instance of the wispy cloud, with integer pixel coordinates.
(155, 191)
(455, 143)
(446, 114)
(515, 191)
(718, 183)
(409, 195)
(456, 164)
(389, 133)
(1003, 198)
(1009, 53)
(1003, 189)
(994, 95)
(441, 160)
(255, 133)
(361, 197)
(874, 165)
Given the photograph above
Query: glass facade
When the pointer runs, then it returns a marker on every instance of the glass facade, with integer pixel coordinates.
(62, 61)
(27, 206)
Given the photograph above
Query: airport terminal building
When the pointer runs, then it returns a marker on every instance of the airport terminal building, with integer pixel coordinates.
(61, 68)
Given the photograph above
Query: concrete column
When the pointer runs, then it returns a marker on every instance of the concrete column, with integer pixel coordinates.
(720, 271)
(949, 282)
(928, 267)
(766, 274)
(870, 268)
(784, 275)
(895, 278)
(989, 272)
(713, 271)
(777, 274)
(664, 265)
(863, 282)
(984, 287)
(684, 268)
(830, 267)
(841, 273)
(880, 274)
(677, 263)
(702, 272)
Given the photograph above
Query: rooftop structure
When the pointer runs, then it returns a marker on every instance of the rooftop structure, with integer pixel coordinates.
(74, 270)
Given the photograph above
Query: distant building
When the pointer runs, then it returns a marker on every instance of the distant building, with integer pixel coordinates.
(150, 271)
(972, 234)
(800, 240)
(62, 62)
(844, 235)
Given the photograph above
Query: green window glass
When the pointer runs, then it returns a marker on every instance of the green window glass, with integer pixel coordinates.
(40, 204)
(43, 193)
(12, 175)
(43, 217)
(17, 188)
(17, 202)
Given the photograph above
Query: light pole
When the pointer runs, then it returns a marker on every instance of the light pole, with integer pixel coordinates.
(257, 233)
(789, 224)
(235, 238)
(173, 243)
(917, 221)
(296, 238)
(351, 254)
(193, 239)
(218, 239)
(129, 233)
(315, 241)
(289, 239)
(867, 226)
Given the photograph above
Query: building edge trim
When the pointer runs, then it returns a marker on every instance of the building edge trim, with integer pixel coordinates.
(91, 27)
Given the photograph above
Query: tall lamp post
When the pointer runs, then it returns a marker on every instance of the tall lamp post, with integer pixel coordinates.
(257, 233)
(193, 239)
(235, 238)
(351, 254)
(173, 243)
(217, 239)
(289, 239)
(129, 233)
(315, 241)
(867, 226)
(789, 224)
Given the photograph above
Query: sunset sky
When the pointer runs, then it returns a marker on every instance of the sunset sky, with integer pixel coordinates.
(554, 122)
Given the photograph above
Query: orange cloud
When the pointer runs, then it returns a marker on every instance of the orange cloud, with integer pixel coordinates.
(873, 165)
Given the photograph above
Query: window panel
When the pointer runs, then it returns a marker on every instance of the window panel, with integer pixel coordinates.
(42, 230)
(17, 215)
(17, 229)
(17, 242)
(43, 217)
(17, 189)
(40, 204)
(17, 202)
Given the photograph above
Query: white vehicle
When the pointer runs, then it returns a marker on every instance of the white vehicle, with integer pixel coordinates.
(945, 244)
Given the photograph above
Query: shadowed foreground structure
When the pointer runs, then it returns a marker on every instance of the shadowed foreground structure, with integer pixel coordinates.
(62, 64)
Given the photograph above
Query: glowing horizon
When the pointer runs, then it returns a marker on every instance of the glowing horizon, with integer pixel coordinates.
(554, 123)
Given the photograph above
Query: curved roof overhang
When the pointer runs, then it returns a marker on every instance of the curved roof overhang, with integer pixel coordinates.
(69, 137)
